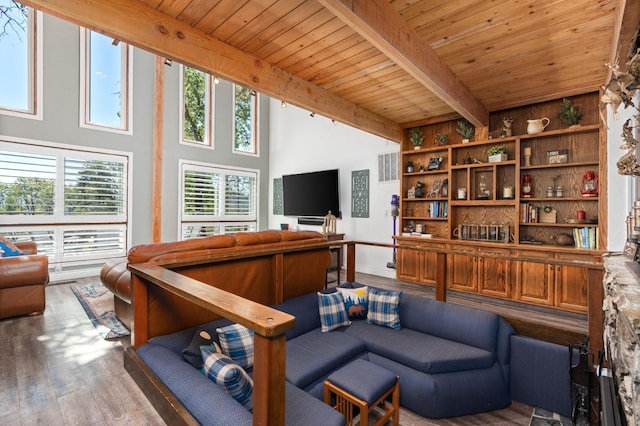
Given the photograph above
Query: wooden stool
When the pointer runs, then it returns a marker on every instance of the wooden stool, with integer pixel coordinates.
(364, 385)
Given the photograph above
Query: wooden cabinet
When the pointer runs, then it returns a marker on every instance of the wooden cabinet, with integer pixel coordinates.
(417, 265)
(493, 210)
(485, 271)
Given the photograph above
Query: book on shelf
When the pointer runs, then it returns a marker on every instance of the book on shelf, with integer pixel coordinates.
(438, 209)
(529, 213)
(586, 237)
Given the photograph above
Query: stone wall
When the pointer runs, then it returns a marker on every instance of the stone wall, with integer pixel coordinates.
(622, 330)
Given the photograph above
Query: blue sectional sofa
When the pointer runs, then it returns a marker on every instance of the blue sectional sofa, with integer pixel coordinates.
(452, 361)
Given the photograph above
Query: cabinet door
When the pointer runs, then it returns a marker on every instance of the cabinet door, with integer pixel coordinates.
(407, 264)
(494, 277)
(535, 283)
(462, 272)
(571, 288)
(428, 265)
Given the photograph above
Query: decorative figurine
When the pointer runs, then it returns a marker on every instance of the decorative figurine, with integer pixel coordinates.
(506, 127)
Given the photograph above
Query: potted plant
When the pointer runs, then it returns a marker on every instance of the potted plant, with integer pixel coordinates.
(416, 136)
(497, 154)
(569, 114)
(466, 129)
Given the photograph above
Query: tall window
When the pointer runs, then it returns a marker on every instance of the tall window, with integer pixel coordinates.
(197, 94)
(245, 120)
(217, 200)
(73, 203)
(105, 83)
(21, 70)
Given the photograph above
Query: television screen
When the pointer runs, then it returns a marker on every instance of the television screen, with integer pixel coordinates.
(311, 194)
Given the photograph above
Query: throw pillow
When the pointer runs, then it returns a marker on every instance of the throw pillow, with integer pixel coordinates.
(192, 353)
(384, 308)
(237, 342)
(226, 373)
(355, 301)
(332, 311)
(8, 248)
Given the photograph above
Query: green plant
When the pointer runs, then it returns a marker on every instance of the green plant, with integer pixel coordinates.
(498, 149)
(569, 113)
(416, 136)
(466, 129)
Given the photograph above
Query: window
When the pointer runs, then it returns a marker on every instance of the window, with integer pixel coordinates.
(245, 120)
(105, 79)
(21, 53)
(196, 120)
(217, 200)
(73, 203)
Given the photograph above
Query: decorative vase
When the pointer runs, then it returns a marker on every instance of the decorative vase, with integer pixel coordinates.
(537, 125)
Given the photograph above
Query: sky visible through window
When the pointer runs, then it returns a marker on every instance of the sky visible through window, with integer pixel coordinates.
(105, 81)
(14, 51)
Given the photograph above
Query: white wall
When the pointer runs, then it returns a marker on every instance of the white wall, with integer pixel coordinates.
(300, 143)
(622, 189)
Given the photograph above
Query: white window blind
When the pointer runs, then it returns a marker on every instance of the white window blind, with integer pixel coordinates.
(74, 204)
(217, 200)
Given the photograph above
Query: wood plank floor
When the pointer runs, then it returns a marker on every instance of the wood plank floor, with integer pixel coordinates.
(56, 369)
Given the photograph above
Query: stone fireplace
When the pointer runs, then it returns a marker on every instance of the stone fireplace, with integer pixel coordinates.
(622, 331)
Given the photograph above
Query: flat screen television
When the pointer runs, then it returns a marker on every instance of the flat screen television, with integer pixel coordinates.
(311, 194)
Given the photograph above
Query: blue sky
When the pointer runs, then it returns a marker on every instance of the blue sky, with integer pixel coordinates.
(105, 77)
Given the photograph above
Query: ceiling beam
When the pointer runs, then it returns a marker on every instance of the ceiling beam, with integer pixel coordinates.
(626, 32)
(381, 25)
(144, 27)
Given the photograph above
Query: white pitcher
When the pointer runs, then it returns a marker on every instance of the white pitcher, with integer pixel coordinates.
(537, 126)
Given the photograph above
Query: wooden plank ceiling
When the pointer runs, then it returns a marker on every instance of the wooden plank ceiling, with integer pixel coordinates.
(378, 65)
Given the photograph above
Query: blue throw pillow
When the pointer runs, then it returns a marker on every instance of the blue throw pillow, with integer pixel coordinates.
(355, 301)
(332, 311)
(384, 308)
(8, 249)
(237, 342)
(229, 375)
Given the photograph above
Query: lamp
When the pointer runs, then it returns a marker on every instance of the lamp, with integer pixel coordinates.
(590, 184)
(526, 186)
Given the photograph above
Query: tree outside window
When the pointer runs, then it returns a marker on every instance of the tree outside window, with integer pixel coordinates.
(245, 113)
(195, 99)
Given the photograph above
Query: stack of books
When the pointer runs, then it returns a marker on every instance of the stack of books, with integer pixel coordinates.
(586, 237)
(529, 213)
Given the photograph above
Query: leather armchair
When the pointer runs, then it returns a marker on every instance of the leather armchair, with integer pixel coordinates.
(22, 282)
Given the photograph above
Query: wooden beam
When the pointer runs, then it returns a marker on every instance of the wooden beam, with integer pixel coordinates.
(149, 29)
(626, 31)
(381, 25)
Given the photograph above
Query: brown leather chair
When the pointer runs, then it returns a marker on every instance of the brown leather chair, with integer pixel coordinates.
(22, 282)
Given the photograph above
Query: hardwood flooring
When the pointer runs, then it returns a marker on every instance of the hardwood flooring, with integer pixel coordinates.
(56, 369)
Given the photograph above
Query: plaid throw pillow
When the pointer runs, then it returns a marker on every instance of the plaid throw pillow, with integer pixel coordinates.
(384, 308)
(237, 342)
(332, 311)
(229, 375)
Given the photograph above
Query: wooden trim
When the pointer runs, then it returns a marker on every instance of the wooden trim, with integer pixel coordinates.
(382, 26)
(153, 31)
(626, 31)
(158, 138)
(270, 367)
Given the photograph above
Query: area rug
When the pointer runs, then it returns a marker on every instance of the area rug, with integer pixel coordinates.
(97, 302)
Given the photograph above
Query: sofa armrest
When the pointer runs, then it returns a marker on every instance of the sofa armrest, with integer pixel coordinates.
(28, 247)
(20, 271)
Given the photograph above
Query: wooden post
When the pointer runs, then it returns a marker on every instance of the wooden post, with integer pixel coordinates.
(269, 380)
(140, 317)
(595, 316)
(441, 276)
(351, 261)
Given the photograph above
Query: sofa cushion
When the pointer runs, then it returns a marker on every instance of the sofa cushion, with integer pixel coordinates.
(384, 308)
(421, 351)
(332, 311)
(355, 301)
(305, 309)
(236, 342)
(226, 373)
(314, 354)
(472, 326)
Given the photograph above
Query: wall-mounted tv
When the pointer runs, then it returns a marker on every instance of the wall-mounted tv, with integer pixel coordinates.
(311, 194)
